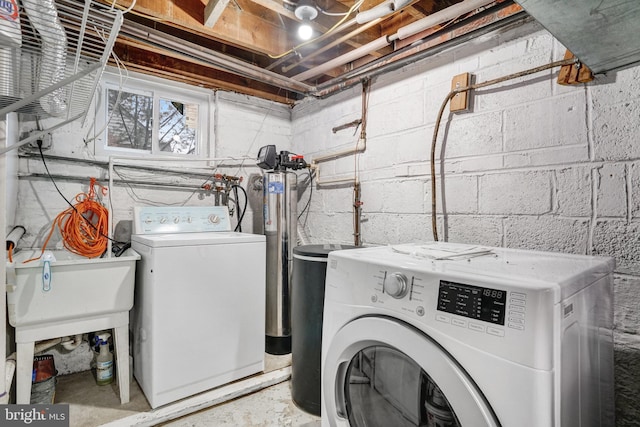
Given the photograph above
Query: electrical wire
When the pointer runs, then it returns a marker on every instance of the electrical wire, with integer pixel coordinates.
(134, 196)
(244, 209)
(83, 226)
(324, 12)
(236, 202)
(255, 138)
(121, 81)
(308, 201)
(450, 95)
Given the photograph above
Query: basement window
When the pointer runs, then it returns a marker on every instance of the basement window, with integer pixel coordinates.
(142, 115)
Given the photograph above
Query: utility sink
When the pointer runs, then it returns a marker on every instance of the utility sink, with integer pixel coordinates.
(63, 286)
(65, 294)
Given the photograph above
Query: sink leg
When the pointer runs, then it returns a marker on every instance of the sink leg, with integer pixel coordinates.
(24, 371)
(121, 335)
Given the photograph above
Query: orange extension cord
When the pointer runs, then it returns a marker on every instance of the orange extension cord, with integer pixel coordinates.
(83, 227)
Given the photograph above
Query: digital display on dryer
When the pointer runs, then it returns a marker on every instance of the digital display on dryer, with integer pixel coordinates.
(474, 302)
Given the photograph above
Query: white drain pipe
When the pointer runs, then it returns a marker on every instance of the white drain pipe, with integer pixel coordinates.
(10, 369)
(445, 15)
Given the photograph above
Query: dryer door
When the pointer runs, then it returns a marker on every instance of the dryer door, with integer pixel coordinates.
(382, 372)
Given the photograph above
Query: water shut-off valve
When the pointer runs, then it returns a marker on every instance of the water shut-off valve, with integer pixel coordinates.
(270, 160)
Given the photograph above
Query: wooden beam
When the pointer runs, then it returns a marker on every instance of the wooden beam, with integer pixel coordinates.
(213, 10)
(158, 62)
(260, 34)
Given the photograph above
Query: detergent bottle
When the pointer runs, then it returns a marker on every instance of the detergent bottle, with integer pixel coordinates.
(104, 361)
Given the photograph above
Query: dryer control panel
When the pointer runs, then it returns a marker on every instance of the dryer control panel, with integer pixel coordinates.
(180, 219)
(475, 307)
(473, 302)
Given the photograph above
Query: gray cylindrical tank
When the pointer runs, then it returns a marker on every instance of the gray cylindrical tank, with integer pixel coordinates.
(280, 216)
(307, 305)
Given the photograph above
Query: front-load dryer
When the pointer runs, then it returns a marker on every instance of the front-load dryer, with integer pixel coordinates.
(455, 335)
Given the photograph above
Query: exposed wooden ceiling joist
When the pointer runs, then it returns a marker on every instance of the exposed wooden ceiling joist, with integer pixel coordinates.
(213, 12)
(261, 33)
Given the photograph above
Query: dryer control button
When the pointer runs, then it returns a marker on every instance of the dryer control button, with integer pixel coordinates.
(459, 322)
(476, 327)
(495, 331)
(516, 326)
(420, 310)
(442, 318)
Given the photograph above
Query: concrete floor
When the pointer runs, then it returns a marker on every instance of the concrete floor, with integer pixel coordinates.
(261, 400)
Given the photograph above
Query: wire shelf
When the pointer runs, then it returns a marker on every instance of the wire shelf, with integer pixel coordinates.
(51, 63)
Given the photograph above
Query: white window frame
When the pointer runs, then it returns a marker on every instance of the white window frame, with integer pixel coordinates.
(156, 88)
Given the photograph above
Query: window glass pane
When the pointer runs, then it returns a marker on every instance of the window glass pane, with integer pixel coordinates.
(130, 120)
(177, 127)
(384, 387)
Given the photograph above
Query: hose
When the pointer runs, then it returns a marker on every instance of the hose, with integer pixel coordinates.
(244, 209)
(83, 226)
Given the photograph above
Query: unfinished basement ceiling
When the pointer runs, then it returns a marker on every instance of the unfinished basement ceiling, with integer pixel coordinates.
(252, 46)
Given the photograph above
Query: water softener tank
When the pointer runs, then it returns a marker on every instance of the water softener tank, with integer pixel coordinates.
(280, 216)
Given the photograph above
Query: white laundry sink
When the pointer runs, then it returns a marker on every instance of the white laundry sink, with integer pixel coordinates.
(76, 287)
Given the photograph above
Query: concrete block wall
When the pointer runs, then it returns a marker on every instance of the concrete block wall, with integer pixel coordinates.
(532, 165)
(242, 126)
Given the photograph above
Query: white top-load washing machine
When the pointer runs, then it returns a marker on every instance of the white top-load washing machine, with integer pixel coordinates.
(198, 319)
(454, 335)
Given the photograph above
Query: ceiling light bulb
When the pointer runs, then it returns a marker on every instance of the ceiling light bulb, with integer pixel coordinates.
(305, 31)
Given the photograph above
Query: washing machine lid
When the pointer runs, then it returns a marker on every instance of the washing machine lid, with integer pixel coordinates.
(465, 399)
(196, 239)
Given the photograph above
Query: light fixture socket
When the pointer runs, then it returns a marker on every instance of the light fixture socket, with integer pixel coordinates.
(306, 10)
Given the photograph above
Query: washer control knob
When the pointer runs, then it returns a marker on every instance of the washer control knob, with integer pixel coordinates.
(396, 285)
(163, 219)
(214, 219)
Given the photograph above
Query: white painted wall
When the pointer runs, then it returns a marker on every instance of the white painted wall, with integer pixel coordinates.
(534, 165)
(243, 125)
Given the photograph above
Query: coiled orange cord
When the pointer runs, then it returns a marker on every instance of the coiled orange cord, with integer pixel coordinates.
(83, 227)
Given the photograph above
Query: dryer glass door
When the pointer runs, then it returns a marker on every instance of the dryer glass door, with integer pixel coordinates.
(385, 387)
(382, 372)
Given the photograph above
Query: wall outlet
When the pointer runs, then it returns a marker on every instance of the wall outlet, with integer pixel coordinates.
(47, 141)
(460, 102)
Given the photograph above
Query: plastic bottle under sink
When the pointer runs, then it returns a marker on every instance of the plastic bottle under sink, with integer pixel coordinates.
(104, 361)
